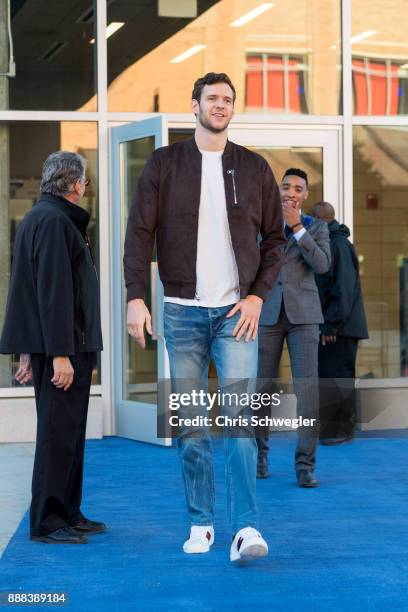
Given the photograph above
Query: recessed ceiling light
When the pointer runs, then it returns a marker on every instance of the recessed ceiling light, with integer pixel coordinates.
(186, 54)
(262, 8)
(111, 29)
(362, 36)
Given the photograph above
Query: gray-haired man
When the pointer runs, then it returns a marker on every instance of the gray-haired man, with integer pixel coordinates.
(53, 321)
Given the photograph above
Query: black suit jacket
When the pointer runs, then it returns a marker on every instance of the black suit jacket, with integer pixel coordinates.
(340, 289)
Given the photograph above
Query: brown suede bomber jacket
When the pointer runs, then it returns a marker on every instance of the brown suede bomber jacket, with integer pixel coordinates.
(166, 207)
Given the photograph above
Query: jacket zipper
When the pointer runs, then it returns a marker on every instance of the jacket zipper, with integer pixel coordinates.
(232, 173)
(88, 244)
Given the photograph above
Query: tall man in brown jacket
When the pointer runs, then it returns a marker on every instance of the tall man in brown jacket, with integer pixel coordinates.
(205, 201)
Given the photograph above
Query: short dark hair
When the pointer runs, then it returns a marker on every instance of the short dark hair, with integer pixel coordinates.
(296, 172)
(211, 78)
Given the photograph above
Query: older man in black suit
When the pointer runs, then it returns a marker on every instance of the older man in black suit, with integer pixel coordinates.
(344, 325)
(53, 321)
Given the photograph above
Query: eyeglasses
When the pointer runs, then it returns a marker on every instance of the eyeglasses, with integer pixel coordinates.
(86, 181)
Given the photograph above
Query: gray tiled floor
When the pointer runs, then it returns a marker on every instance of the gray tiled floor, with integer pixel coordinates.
(16, 461)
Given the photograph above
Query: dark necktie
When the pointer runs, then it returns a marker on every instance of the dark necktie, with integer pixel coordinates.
(288, 231)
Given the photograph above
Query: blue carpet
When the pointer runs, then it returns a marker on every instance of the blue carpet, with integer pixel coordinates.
(341, 547)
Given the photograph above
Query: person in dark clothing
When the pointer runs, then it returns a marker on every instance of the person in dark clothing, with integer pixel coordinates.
(53, 321)
(344, 325)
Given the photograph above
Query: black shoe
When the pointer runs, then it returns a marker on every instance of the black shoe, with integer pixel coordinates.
(334, 441)
(63, 535)
(90, 527)
(262, 465)
(306, 479)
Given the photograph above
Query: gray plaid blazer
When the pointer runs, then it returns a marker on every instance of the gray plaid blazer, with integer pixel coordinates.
(296, 285)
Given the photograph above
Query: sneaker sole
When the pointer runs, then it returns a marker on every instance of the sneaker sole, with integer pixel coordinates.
(251, 552)
(196, 552)
(200, 551)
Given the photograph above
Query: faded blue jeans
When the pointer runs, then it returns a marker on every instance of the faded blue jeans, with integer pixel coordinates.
(194, 335)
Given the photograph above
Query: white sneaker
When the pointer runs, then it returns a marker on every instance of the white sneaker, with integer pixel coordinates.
(248, 544)
(200, 540)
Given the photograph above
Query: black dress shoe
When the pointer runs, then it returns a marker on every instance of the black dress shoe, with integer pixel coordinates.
(262, 465)
(334, 441)
(63, 535)
(306, 479)
(90, 527)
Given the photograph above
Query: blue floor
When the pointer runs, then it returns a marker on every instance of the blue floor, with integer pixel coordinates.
(343, 546)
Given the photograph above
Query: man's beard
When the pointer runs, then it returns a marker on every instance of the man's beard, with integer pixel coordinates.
(207, 125)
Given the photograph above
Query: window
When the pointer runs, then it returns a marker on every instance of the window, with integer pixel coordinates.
(381, 239)
(275, 83)
(26, 144)
(380, 86)
(49, 56)
(153, 60)
(379, 57)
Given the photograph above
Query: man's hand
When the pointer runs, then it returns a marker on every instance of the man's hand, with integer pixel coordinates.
(137, 317)
(327, 339)
(247, 324)
(24, 372)
(291, 214)
(63, 372)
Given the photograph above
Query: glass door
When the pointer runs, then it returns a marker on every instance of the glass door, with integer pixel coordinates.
(317, 152)
(314, 150)
(136, 371)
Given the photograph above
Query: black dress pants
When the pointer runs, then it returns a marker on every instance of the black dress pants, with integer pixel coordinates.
(59, 453)
(337, 372)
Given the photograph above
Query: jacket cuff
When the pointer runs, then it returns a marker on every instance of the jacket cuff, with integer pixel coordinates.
(260, 289)
(328, 330)
(66, 350)
(306, 240)
(135, 291)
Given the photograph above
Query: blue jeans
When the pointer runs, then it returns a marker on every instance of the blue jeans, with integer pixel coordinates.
(194, 335)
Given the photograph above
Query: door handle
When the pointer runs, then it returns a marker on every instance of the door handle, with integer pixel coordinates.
(153, 297)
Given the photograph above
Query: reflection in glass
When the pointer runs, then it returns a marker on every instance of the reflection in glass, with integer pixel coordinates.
(23, 147)
(53, 54)
(380, 57)
(276, 83)
(139, 365)
(309, 159)
(280, 61)
(381, 240)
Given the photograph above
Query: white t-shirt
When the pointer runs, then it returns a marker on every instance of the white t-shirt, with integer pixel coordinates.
(216, 268)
